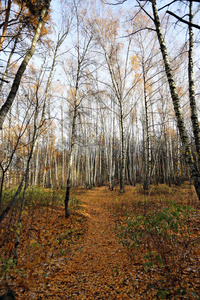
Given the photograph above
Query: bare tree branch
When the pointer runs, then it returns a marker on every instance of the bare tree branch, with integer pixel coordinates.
(182, 20)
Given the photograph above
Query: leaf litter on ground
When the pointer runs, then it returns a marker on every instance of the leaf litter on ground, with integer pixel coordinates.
(85, 257)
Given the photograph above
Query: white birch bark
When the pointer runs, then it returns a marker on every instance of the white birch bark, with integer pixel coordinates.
(174, 95)
(16, 83)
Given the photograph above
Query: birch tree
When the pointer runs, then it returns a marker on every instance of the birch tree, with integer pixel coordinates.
(176, 102)
(76, 68)
(117, 61)
(193, 106)
(16, 82)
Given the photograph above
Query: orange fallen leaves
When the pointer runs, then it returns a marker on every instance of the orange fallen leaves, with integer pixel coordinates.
(197, 252)
(10, 246)
(81, 257)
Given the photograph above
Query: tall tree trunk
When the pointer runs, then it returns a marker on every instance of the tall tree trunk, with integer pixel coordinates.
(178, 180)
(7, 105)
(9, 150)
(193, 107)
(63, 149)
(100, 162)
(129, 162)
(171, 158)
(173, 90)
(95, 165)
(56, 171)
(167, 164)
(70, 161)
(123, 149)
(36, 165)
(113, 155)
(19, 224)
(111, 149)
(147, 149)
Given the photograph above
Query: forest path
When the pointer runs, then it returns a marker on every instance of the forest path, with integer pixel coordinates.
(100, 268)
(81, 257)
(75, 258)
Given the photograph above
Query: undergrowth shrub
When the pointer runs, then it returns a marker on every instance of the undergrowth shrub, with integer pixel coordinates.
(160, 189)
(74, 203)
(39, 197)
(8, 194)
(164, 225)
(164, 243)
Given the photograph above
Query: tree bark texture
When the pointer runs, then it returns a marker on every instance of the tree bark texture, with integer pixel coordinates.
(193, 107)
(70, 161)
(176, 103)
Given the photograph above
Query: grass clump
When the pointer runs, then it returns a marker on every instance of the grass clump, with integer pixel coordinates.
(164, 244)
(161, 189)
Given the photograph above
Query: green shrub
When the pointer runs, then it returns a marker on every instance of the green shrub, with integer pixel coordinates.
(156, 236)
(159, 226)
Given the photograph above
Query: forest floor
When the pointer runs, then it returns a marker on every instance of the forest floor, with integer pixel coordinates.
(88, 256)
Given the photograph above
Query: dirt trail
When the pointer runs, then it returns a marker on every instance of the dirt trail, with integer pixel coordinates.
(100, 269)
(81, 258)
(77, 258)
